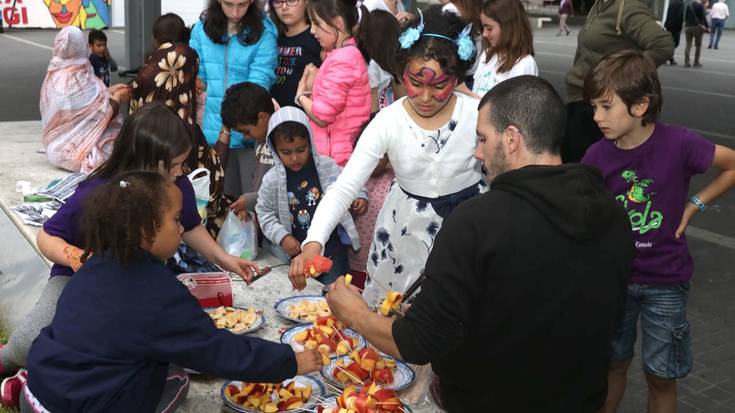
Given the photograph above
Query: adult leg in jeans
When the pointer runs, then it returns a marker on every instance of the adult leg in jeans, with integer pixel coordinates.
(717, 26)
(174, 391)
(689, 35)
(15, 353)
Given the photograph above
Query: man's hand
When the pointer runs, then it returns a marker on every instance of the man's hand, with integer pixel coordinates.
(346, 302)
(689, 211)
(359, 206)
(291, 245)
(298, 263)
(244, 268)
(308, 361)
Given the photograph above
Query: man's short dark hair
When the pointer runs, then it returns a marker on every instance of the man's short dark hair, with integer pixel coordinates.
(97, 36)
(243, 102)
(532, 105)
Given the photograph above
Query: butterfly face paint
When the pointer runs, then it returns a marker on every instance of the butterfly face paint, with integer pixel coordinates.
(429, 89)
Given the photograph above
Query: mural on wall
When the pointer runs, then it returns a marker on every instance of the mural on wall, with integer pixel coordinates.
(85, 14)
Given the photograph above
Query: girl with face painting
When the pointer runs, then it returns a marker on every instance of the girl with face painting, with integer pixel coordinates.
(429, 137)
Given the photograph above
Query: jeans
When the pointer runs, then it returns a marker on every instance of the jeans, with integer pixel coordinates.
(666, 347)
(716, 32)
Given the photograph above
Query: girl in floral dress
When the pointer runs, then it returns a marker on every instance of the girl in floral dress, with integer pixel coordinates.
(429, 137)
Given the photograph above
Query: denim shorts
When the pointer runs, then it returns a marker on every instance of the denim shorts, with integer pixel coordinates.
(666, 347)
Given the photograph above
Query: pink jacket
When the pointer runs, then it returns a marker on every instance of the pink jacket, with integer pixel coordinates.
(341, 98)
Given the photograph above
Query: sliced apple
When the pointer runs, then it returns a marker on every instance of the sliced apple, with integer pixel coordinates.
(270, 407)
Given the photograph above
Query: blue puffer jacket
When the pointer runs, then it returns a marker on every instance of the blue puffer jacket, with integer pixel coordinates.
(245, 63)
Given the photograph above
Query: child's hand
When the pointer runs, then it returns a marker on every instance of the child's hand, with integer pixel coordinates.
(74, 255)
(291, 245)
(244, 268)
(689, 212)
(360, 206)
(296, 272)
(312, 71)
(121, 94)
(308, 361)
(301, 88)
(239, 205)
(404, 17)
(201, 87)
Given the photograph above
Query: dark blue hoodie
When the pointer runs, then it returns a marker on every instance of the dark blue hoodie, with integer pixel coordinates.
(116, 330)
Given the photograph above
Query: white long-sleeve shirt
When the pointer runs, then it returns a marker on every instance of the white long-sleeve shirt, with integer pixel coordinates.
(720, 11)
(417, 171)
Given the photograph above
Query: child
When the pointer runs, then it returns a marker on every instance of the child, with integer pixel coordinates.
(153, 138)
(429, 137)
(247, 108)
(137, 318)
(100, 59)
(384, 68)
(293, 188)
(378, 186)
(336, 97)
(648, 166)
(297, 47)
(508, 47)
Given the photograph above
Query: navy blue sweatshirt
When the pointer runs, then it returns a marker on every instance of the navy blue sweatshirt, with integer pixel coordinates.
(116, 330)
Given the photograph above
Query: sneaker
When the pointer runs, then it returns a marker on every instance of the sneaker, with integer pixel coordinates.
(672, 62)
(687, 64)
(697, 65)
(709, 47)
(10, 389)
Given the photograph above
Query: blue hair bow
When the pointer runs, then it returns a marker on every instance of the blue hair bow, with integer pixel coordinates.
(465, 45)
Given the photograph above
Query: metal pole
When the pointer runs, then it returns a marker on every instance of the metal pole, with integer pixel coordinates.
(139, 18)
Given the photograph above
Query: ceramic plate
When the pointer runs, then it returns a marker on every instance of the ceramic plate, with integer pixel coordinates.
(288, 337)
(258, 323)
(403, 375)
(282, 306)
(332, 402)
(317, 389)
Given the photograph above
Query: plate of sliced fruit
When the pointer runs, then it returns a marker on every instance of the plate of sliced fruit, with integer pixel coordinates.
(303, 308)
(368, 365)
(235, 319)
(372, 398)
(295, 394)
(327, 335)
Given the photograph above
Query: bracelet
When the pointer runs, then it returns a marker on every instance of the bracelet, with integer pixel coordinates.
(298, 96)
(698, 203)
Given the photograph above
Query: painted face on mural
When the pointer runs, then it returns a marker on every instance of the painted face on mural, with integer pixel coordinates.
(429, 89)
(64, 12)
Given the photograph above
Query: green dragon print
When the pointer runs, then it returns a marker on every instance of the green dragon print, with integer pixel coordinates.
(637, 192)
(648, 219)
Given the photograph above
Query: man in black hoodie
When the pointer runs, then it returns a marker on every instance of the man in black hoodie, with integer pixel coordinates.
(525, 283)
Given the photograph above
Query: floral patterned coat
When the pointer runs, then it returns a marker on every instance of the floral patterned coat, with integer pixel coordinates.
(169, 76)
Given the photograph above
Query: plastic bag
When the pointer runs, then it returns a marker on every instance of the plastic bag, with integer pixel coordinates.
(200, 181)
(238, 237)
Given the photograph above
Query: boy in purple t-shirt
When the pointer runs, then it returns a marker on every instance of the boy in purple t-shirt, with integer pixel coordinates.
(648, 166)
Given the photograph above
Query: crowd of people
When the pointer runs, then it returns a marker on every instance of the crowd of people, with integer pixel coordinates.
(407, 146)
